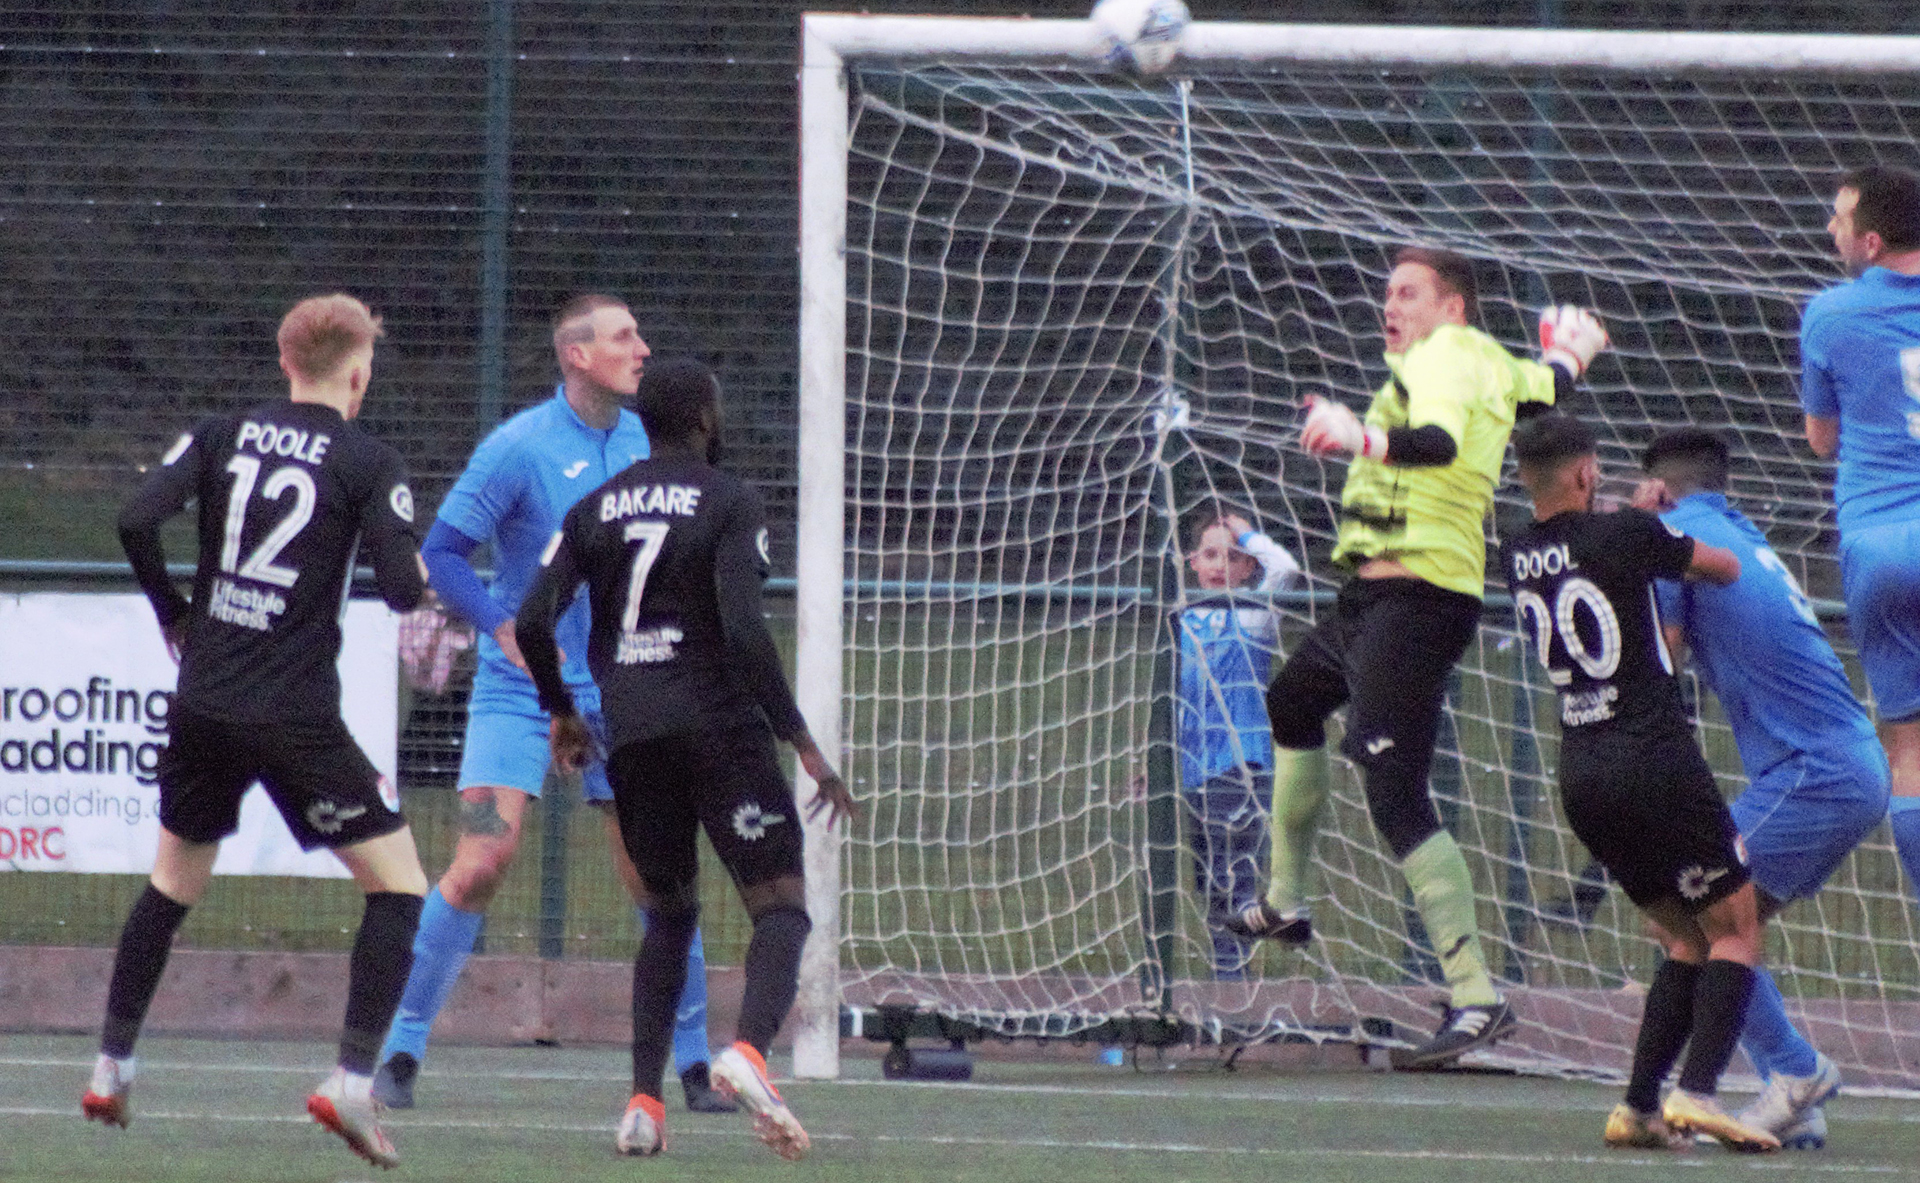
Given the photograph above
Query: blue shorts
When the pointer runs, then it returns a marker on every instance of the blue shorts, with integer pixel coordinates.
(1880, 578)
(508, 748)
(1805, 815)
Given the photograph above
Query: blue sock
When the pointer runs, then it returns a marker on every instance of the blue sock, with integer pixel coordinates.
(690, 1020)
(1903, 813)
(1769, 1038)
(440, 949)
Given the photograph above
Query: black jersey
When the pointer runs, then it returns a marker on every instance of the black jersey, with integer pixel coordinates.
(1583, 593)
(673, 552)
(288, 493)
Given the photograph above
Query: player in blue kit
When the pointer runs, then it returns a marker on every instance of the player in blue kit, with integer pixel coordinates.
(515, 492)
(1817, 777)
(1860, 388)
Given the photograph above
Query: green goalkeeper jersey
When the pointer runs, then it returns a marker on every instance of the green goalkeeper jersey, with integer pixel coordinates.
(1431, 518)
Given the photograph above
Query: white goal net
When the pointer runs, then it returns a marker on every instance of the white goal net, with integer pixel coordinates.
(1080, 313)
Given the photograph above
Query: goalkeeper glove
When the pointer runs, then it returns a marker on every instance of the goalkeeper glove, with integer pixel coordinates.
(1331, 427)
(1570, 336)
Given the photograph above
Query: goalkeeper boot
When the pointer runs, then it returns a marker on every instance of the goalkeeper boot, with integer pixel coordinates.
(1694, 1113)
(643, 1127)
(109, 1095)
(1629, 1129)
(1262, 921)
(1808, 1133)
(1462, 1029)
(393, 1083)
(702, 1097)
(346, 1106)
(740, 1074)
(1786, 1099)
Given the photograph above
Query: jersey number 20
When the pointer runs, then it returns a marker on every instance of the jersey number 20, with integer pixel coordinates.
(651, 536)
(260, 565)
(1600, 663)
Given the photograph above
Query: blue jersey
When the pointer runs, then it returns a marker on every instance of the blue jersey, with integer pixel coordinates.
(1226, 660)
(1860, 364)
(515, 492)
(1757, 643)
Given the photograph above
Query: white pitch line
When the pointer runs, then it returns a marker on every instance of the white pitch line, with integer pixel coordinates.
(1282, 1092)
(1416, 1155)
(398, 1123)
(1184, 1148)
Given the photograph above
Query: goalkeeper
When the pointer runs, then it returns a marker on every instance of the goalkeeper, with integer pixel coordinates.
(1425, 462)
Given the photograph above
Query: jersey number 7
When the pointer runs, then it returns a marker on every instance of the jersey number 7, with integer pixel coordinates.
(651, 536)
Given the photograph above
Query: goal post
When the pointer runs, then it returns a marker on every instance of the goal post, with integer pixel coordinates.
(1052, 314)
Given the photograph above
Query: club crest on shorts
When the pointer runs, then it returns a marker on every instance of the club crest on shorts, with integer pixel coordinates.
(751, 824)
(400, 498)
(1696, 881)
(389, 795)
(327, 818)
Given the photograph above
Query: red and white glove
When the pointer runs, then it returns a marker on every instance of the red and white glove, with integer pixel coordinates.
(1331, 428)
(1570, 336)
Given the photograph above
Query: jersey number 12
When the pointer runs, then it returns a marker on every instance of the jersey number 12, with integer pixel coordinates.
(260, 565)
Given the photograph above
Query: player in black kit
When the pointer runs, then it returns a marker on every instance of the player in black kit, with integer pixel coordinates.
(1633, 784)
(674, 552)
(289, 491)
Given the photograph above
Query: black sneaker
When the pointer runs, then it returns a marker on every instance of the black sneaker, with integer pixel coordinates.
(1262, 922)
(702, 1097)
(393, 1083)
(1462, 1030)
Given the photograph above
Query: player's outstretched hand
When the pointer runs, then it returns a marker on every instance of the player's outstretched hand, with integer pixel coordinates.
(571, 741)
(1332, 427)
(830, 792)
(1652, 495)
(1570, 336)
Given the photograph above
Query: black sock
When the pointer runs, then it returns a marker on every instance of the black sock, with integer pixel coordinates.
(659, 974)
(145, 943)
(1719, 1012)
(773, 974)
(1665, 1023)
(382, 959)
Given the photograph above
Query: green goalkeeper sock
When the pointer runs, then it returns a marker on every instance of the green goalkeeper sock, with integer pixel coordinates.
(1299, 800)
(1443, 891)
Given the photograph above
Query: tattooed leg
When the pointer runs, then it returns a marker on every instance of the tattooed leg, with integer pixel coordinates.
(490, 820)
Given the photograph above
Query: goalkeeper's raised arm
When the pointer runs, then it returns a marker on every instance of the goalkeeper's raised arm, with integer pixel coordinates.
(1425, 460)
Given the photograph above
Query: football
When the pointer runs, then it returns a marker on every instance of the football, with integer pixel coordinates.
(1143, 34)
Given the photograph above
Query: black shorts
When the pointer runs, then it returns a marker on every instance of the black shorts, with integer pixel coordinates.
(1386, 652)
(726, 782)
(1651, 813)
(324, 786)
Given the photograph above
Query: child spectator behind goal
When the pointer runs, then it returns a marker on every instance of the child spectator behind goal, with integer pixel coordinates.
(1227, 647)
